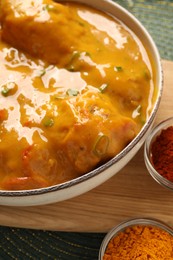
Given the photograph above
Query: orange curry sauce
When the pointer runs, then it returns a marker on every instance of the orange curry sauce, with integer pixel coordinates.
(76, 87)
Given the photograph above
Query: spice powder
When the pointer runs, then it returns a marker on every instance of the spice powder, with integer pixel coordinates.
(162, 153)
(140, 243)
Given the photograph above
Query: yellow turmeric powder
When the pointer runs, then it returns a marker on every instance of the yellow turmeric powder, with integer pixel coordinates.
(140, 242)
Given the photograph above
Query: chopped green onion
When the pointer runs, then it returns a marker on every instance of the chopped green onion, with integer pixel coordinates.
(5, 91)
(81, 24)
(87, 54)
(9, 88)
(143, 121)
(57, 97)
(42, 72)
(103, 87)
(118, 68)
(48, 7)
(101, 145)
(48, 122)
(71, 68)
(72, 92)
(75, 55)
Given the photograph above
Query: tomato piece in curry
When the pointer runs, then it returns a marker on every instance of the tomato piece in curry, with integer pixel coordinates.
(76, 87)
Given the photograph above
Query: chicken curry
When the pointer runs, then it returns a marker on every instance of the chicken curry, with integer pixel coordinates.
(76, 87)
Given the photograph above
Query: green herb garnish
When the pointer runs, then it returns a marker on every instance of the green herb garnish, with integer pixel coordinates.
(118, 68)
(70, 66)
(101, 145)
(48, 7)
(75, 55)
(42, 72)
(80, 23)
(72, 92)
(87, 54)
(59, 97)
(48, 122)
(5, 91)
(103, 87)
(143, 121)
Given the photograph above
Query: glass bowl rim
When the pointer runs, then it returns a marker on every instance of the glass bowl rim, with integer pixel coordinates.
(130, 223)
(156, 131)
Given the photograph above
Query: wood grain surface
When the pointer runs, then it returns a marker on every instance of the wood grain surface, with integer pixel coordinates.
(130, 193)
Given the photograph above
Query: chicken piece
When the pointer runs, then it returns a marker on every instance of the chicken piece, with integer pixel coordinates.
(42, 28)
(94, 132)
(85, 152)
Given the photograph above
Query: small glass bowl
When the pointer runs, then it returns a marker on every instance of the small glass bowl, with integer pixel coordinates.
(147, 153)
(129, 223)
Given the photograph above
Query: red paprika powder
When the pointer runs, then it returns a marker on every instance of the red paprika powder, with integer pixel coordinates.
(162, 153)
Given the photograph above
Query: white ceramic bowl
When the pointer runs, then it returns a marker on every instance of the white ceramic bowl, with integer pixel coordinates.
(130, 223)
(96, 177)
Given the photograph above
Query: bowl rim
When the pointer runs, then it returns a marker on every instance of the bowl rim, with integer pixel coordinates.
(152, 135)
(145, 221)
(129, 147)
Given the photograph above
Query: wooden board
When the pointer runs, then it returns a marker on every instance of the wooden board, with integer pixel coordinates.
(130, 193)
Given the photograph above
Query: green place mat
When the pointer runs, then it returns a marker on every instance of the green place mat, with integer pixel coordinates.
(35, 244)
(15, 243)
(157, 17)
